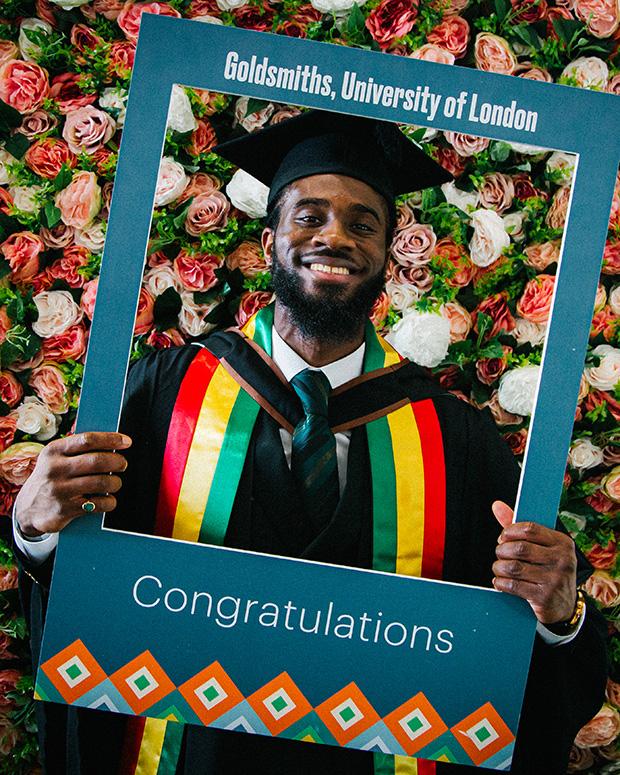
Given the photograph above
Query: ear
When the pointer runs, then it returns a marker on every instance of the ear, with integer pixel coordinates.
(266, 240)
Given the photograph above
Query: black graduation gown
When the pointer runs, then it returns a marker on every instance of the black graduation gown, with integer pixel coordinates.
(566, 684)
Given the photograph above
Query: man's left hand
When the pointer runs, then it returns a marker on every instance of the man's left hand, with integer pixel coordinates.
(537, 564)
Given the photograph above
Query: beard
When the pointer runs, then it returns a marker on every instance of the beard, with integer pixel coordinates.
(330, 316)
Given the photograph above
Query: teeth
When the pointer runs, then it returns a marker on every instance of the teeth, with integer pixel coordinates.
(326, 268)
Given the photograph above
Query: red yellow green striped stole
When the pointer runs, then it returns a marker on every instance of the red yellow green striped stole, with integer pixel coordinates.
(207, 443)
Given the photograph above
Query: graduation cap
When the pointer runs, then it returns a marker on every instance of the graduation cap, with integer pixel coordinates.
(317, 143)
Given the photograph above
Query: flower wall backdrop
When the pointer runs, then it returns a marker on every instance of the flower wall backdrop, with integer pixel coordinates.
(471, 268)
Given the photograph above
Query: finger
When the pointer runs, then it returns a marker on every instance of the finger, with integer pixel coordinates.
(527, 552)
(519, 588)
(84, 486)
(502, 513)
(536, 574)
(91, 440)
(87, 464)
(103, 503)
(533, 533)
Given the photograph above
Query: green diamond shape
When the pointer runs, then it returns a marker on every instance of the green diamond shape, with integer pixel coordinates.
(73, 671)
(141, 683)
(346, 714)
(415, 724)
(210, 693)
(482, 734)
(279, 704)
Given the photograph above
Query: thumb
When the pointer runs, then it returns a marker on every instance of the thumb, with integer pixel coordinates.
(502, 513)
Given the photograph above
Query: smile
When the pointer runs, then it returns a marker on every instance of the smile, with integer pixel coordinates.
(331, 269)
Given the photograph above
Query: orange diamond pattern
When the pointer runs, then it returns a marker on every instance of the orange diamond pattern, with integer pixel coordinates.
(73, 671)
(483, 733)
(142, 682)
(211, 693)
(347, 713)
(279, 704)
(415, 723)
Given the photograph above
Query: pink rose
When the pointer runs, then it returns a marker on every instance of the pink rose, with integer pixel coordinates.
(59, 237)
(80, 201)
(5, 323)
(67, 94)
(11, 390)
(207, 212)
(23, 85)
(250, 303)
(6, 643)
(613, 692)
(144, 316)
(419, 277)
(556, 215)
(200, 183)
(46, 157)
(496, 307)
(161, 340)
(431, 52)
(8, 51)
(605, 590)
(248, 257)
(87, 302)
(500, 415)
(197, 271)
(451, 161)
(611, 257)
(493, 54)
(535, 301)
(543, 254)
(603, 557)
(49, 384)
(121, 58)
(613, 85)
(297, 26)
(459, 319)
(8, 426)
(405, 216)
(602, 730)
(533, 73)
(413, 246)
(66, 268)
(109, 8)
(452, 34)
(8, 580)
(529, 11)
(488, 370)
(466, 145)
(254, 120)
(22, 251)
(203, 138)
(391, 19)
(516, 440)
(37, 123)
(497, 192)
(601, 17)
(129, 18)
(258, 18)
(17, 463)
(87, 129)
(70, 345)
(84, 38)
(457, 256)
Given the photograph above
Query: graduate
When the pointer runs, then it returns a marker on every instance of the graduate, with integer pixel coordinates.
(293, 413)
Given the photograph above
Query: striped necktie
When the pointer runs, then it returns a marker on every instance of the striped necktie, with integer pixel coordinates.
(313, 461)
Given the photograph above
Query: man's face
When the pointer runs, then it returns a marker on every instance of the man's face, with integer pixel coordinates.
(328, 253)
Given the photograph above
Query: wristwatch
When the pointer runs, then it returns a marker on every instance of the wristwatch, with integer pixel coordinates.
(569, 626)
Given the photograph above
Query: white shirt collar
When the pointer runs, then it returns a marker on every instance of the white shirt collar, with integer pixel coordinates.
(338, 372)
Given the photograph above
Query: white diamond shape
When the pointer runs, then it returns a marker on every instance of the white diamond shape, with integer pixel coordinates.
(221, 694)
(357, 714)
(241, 723)
(71, 682)
(484, 724)
(404, 722)
(150, 687)
(106, 702)
(277, 714)
(376, 742)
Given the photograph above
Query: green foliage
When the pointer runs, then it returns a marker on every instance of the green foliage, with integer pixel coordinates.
(260, 282)
(53, 51)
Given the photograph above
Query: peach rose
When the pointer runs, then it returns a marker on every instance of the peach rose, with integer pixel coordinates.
(48, 382)
(121, 58)
(603, 557)
(80, 201)
(23, 85)
(587, 73)
(380, 310)
(108, 8)
(250, 303)
(193, 317)
(611, 257)
(200, 183)
(533, 73)
(493, 54)
(207, 212)
(556, 215)
(431, 52)
(248, 257)
(8, 678)
(604, 589)
(497, 192)
(9, 736)
(11, 390)
(87, 129)
(457, 255)
(497, 309)
(8, 51)
(420, 277)
(203, 138)
(613, 85)
(87, 302)
(500, 415)
(452, 34)
(22, 251)
(46, 157)
(8, 426)
(604, 322)
(610, 485)
(405, 216)
(535, 301)
(451, 161)
(488, 370)
(144, 316)
(602, 730)
(18, 461)
(542, 254)
(459, 319)
(601, 17)
(67, 93)
(391, 19)
(37, 123)
(66, 268)
(613, 692)
(129, 18)
(59, 237)
(70, 345)
(196, 271)
(516, 440)
(413, 246)
(466, 145)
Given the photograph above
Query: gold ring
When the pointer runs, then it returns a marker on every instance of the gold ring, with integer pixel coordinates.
(88, 507)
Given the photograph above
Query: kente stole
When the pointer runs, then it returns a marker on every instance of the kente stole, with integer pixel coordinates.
(205, 452)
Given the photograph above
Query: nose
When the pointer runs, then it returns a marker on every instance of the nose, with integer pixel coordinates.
(334, 234)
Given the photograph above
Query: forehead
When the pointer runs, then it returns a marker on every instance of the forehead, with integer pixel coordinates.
(336, 190)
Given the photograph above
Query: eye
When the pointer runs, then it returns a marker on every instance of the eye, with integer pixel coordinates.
(364, 227)
(308, 219)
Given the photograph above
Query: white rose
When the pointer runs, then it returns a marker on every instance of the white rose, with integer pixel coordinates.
(526, 332)
(171, 182)
(527, 150)
(5, 161)
(92, 237)
(180, 116)
(563, 164)
(26, 198)
(490, 237)
(30, 51)
(600, 299)
(606, 375)
(429, 132)
(207, 19)
(467, 201)
(588, 72)
(66, 5)
(335, 7)
(574, 523)
(248, 194)
(402, 295)
(423, 337)
(192, 316)
(230, 5)
(252, 121)
(614, 299)
(35, 418)
(113, 99)
(584, 454)
(513, 223)
(57, 312)
(517, 390)
(160, 278)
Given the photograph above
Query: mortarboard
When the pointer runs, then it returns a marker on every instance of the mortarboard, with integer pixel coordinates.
(318, 142)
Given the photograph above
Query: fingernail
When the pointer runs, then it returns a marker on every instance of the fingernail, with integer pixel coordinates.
(125, 440)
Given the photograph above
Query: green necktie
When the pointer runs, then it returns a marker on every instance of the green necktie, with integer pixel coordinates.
(313, 461)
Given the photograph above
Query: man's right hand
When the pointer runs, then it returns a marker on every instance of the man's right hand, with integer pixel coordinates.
(69, 472)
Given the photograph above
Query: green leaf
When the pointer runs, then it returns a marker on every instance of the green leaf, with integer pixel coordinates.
(356, 21)
(567, 29)
(20, 345)
(528, 35)
(17, 145)
(485, 324)
(179, 219)
(9, 116)
(499, 151)
(502, 7)
(62, 180)
(254, 106)
(166, 309)
(51, 215)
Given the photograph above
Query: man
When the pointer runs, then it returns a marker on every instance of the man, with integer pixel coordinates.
(319, 414)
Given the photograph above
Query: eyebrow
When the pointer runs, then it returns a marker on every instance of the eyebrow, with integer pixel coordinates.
(357, 207)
